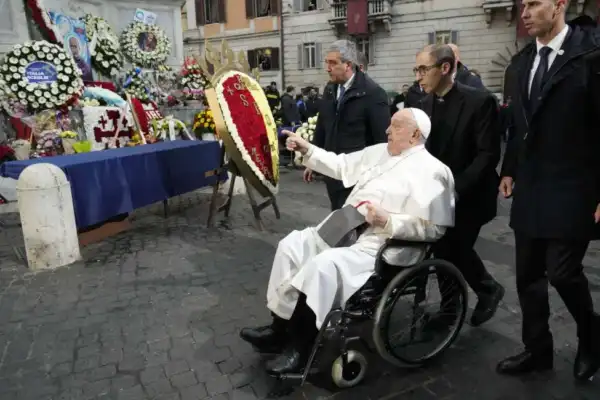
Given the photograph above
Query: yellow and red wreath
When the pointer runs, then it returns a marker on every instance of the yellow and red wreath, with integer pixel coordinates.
(250, 125)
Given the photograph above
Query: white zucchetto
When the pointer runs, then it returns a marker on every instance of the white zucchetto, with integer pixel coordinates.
(422, 120)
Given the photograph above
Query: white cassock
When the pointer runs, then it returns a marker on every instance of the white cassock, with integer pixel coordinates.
(416, 190)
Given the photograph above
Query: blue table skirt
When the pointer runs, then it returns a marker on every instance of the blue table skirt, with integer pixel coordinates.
(112, 182)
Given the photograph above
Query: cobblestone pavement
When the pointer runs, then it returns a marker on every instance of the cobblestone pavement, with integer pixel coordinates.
(154, 314)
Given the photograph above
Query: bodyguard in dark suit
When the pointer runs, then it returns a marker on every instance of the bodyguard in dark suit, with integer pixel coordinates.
(465, 137)
(462, 73)
(553, 162)
(354, 112)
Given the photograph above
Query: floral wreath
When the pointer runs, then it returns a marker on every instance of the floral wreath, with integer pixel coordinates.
(253, 132)
(63, 87)
(130, 45)
(42, 19)
(106, 53)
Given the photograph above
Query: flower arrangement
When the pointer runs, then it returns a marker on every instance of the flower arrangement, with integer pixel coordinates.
(40, 75)
(68, 135)
(105, 48)
(136, 85)
(68, 140)
(204, 123)
(145, 45)
(192, 79)
(168, 128)
(307, 130)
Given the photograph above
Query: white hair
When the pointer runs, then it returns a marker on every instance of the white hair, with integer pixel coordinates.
(347, 50)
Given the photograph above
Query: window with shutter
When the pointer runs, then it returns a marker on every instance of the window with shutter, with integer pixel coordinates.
(274, 8)
(222, 14)
(252, 59)
(300, 56)
(443, 37)
(249, 9)
(275, 58)
(318, 55)
(200, 13)
(431, 38)
(454, 37)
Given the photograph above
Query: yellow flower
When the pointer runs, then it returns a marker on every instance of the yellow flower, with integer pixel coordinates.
(205, 125)
(201, 119)
(212, 126)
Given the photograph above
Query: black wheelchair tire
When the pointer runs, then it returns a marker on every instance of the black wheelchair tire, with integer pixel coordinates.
(400, 279)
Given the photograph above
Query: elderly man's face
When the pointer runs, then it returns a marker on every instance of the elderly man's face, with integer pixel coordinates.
(539, 15)
(336, 69)
(401, 133)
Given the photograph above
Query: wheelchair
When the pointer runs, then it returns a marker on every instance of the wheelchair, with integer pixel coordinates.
(375, 303)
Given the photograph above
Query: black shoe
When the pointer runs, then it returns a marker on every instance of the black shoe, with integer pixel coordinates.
(487, 305)
(525, 363)
(587, 363)
(290, 361)
(269, 339)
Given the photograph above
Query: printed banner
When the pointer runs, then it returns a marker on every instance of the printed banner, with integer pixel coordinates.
(144, 16)
(75, 42)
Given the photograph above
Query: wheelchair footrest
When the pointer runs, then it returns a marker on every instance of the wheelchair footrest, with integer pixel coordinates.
(292, 377)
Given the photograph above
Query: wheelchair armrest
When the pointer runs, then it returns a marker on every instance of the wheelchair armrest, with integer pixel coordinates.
(398, 243)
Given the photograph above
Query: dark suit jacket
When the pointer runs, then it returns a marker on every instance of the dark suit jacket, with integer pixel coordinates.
(289, 110)
(553, 155)
(414, 96)
(360, 120)
(464, 76)
(471, 150)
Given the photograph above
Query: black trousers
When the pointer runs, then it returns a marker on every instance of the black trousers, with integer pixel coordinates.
(337, 194)
(558, 262)
(456, 246)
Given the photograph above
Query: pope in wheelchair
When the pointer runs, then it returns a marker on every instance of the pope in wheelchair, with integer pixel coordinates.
(401, 192)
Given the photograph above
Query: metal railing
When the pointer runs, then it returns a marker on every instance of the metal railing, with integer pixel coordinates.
(375, 7)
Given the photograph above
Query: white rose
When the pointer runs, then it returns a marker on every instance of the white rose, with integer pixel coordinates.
(35, 105)
(305, 125)
(5, 67)
(68, 70)
(37, 93)
(22, 95)
(23, 101)
(30, 88)
(105, 64)
(25, 50)
(16, 76)
(14, 88)
(23, 62)
(45, 49)
(31, 58)
(49, 56)
(42, 100)
(22, 84)
(13, 60)
(17, 53)
(54, 91)
(61, 56)
(47, 94)
(13, 68)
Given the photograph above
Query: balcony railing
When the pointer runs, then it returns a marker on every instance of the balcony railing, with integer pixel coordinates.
(375, 8)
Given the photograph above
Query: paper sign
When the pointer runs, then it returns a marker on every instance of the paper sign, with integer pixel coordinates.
(40, 72)
(144, 16)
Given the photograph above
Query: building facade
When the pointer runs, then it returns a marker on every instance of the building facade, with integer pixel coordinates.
(252, 26)
(487, 32)
(389, 32)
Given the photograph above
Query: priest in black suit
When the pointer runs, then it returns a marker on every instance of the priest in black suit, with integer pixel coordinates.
(465, 137)
(552, 161)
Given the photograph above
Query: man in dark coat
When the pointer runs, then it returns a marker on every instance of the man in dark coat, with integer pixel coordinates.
(462, 73)
(398, 99)
(465, 137)
(312, 103)
(289, 109)
(354, 113)
(414, 96)
(553, 163)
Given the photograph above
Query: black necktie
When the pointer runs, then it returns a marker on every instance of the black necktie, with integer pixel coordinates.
(538, 79)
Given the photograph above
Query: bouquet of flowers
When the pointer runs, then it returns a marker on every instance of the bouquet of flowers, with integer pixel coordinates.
(105, 48)
(68, 139)
(192, 80)
(204, 124)
(136, 85)
(307, 130)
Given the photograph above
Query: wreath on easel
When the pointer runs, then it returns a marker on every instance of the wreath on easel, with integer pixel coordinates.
(40, 16)
(105, 48)
(145, 45)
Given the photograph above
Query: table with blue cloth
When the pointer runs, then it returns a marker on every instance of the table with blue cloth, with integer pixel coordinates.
(108, 183)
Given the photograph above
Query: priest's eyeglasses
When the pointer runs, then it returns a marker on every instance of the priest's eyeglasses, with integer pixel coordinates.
(423, 69)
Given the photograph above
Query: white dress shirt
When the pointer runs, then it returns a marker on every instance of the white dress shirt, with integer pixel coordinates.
(346, 86)
(555, 44)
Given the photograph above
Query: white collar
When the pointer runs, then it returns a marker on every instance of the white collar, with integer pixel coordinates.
(556, 43)
(349, 82)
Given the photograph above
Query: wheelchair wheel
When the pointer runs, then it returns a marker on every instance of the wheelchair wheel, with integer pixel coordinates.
(429, 330)
(353, 373)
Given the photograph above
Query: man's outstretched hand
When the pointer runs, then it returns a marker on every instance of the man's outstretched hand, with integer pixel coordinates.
(294, 142)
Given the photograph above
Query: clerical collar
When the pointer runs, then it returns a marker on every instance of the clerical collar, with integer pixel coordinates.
(445, 94)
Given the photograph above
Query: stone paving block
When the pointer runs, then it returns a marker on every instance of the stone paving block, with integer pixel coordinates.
(156, 312)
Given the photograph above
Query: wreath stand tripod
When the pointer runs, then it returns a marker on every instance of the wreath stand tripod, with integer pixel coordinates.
(257, 208)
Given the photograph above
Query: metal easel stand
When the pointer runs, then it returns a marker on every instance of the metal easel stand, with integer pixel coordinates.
(257, 208)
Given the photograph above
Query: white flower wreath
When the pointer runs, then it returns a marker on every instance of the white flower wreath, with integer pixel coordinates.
(41, 76)
(105, 48)
(155, 54)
